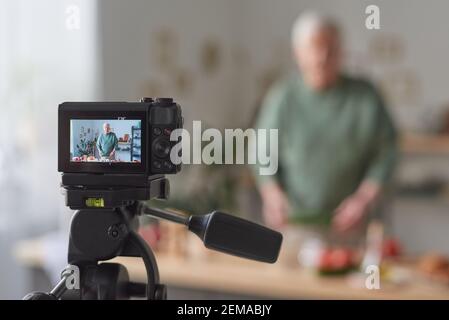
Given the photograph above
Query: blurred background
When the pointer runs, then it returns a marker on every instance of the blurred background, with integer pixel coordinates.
(217, 59)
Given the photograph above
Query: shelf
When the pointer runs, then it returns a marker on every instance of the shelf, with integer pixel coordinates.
(135, 137)
(416, 143)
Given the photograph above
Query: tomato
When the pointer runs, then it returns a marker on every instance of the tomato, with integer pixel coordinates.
(391, 248)
(335, 259)
(341, 258)
(325, 262)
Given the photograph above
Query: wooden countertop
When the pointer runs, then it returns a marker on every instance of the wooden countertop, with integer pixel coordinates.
(234, 275)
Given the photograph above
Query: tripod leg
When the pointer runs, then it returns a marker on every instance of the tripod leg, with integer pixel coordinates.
(112, 281)
(58, 291)
(143, 250)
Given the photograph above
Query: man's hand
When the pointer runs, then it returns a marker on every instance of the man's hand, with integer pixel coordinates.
(275, 205)
(353, 209)
(112, 154)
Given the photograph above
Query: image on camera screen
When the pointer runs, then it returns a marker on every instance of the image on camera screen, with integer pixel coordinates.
(105, 140)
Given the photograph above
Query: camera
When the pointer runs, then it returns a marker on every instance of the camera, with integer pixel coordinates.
(117, 143)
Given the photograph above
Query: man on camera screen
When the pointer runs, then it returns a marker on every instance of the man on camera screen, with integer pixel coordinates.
(107, 143)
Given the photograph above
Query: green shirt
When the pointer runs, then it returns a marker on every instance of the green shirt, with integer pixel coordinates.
(106, 143)
(329, 142)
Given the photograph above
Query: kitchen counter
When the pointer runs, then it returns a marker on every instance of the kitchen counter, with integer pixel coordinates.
(236, 276)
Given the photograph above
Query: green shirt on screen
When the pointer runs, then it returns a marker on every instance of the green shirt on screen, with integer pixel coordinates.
(329, 142)
(106, 143)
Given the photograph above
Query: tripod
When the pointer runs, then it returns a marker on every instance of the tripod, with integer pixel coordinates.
(105, 227)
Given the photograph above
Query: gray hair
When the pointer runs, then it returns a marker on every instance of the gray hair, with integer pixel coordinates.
(309, 22)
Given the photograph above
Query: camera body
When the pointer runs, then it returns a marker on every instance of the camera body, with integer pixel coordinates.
(116, 143)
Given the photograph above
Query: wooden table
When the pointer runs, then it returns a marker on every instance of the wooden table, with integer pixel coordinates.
(234, 275)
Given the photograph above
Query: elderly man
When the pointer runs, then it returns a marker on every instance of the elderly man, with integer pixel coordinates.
(107, 142)
(337, 143)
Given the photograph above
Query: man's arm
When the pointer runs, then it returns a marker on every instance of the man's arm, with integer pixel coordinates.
(352, 210)
(275, 204)
(385, 151)
(115, 146)
(378, 175)
(99, 142)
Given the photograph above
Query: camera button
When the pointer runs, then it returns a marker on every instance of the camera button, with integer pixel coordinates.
(161, 147)
(157, 164)
(168, 165)
(167, 131)
(164, 101)
(157, 131)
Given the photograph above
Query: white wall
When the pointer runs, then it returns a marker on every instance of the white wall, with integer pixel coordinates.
(128, 35)
(42, 63)
(45, 64)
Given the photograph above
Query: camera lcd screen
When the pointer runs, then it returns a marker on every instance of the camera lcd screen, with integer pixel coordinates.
(106, 141)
